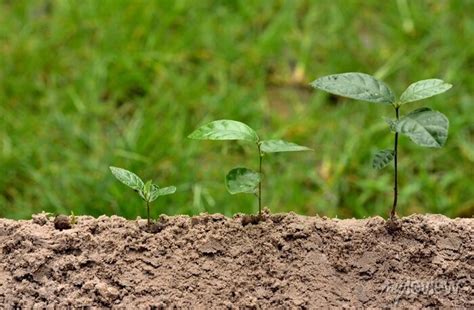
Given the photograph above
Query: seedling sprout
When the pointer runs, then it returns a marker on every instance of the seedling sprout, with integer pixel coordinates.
(241, 179)
(148, 191)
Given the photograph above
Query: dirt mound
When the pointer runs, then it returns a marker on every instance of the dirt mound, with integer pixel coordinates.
(210, 261)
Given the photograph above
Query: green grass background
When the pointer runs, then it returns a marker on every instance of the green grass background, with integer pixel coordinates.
(88, 84)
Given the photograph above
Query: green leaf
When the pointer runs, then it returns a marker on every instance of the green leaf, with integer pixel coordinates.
(147, 186)
(242, 180)
(392, 123)
(274, 146)
(154, 192)
(356, 85)
(424, 89)
(382, 158)
(425, 127)
(166, 190)
(143, 194)
(224, 130)
(128, 178)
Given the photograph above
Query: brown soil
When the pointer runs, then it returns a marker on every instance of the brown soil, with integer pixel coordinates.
(210, 261)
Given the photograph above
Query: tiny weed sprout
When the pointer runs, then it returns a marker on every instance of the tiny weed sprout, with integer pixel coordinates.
(244, 180)
(148, 191)
(73, 218)
(423, 126)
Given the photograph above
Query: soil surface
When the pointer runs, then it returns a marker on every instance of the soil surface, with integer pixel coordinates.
(214, 262)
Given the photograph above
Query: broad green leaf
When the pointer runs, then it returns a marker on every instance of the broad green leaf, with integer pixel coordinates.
(382, 158)
(242, 180)
(424, 89)
(166, 191)
(225, 130)
(425, 127)
(128, 178)
(356, 85)
(274, 146)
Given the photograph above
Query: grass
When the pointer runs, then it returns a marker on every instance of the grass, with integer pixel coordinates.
(90, 84)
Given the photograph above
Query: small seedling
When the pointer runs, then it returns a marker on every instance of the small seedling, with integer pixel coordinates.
(423, 126)
(244, 180)
(148, 191)
(73, 218)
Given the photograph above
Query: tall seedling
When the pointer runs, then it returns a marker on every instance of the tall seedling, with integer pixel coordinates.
(244, 180)
(148, 191)
(423, 126)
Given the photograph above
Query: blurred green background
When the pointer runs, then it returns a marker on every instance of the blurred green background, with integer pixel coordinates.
(88, 84)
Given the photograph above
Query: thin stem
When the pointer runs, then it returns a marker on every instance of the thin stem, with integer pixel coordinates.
(148, 212)
(260, 182)
(395, 164)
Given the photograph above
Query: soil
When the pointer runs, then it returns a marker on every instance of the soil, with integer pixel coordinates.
(213, 262)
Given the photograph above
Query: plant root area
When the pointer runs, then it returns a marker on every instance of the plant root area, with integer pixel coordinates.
(214, 262)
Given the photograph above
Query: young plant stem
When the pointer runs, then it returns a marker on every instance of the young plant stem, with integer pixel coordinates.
(395, 164)
(148, 212)
(260, 182)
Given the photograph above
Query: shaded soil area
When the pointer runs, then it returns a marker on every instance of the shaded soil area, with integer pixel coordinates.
(214, 262)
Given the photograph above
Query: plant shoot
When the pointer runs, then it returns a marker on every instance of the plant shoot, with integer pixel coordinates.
(244, 180)
(424, 126)
(148, 191)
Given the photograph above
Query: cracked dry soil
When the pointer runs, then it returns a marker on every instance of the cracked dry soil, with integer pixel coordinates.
(214, 262)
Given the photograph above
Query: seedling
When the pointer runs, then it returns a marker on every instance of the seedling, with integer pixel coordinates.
(73, 218)
(148, 191)
(244, 180)
(424, 126)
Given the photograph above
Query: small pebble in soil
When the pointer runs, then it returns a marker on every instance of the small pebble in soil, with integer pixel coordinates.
(62, 222)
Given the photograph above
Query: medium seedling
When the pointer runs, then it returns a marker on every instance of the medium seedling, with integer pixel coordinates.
(423, 126)
(148, 191)
(244, 180)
